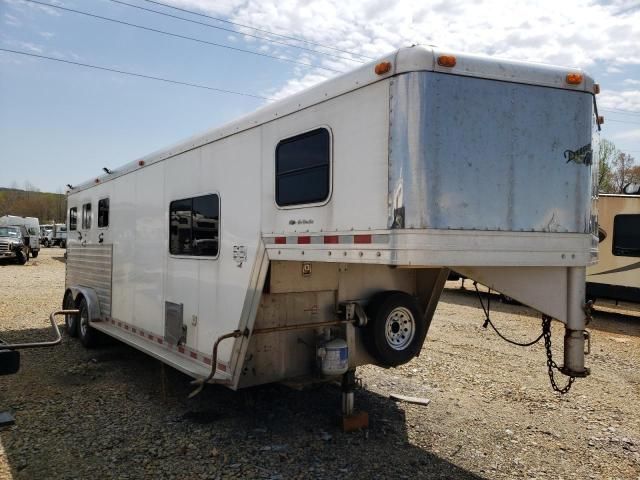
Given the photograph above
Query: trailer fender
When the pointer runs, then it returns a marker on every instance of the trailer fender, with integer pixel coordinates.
(78, 292)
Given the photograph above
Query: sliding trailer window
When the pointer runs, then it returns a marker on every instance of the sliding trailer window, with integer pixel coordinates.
(194, 226)
(86, 216)
(303, 168)
(103, 213)
(73, 218)
(626, 235)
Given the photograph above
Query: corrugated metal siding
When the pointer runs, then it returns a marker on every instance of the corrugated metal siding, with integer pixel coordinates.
(91, 266)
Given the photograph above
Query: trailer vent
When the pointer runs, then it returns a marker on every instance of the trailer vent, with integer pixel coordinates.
(175, 332)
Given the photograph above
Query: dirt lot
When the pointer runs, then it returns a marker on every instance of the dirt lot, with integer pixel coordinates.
(103, 414)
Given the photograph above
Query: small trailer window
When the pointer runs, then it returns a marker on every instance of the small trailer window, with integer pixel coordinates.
(103, 213)
(626, 235)
(73, 218)
(194, 226)
(86, 216)
(303, 168)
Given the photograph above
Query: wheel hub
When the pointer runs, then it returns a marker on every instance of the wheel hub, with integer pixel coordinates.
(400, 328)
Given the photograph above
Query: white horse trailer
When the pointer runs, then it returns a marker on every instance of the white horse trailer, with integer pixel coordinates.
(315, 235)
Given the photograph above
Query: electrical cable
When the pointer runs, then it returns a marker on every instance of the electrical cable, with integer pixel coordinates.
(236, 31)
(123, 72)
(258, 29)
(184, 37)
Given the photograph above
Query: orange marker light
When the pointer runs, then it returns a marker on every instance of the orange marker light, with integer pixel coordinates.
(596, 88)
(382, 68)
(600, 120)
(447, 61)
(574, 78)
(97, 180)
(141, 163)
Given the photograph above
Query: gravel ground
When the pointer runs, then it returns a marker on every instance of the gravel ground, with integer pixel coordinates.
(107, 413)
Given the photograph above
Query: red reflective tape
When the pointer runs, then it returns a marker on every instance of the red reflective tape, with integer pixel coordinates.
(362, 238)
(281, 240)
(331, 239)
(193, 355)
(221, 367)
(181, 349)
(207, 360)
(159, 340)
(304, 240)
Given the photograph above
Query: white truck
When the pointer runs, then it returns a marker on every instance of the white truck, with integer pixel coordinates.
(32, 234)
(316, 234)
(54, 235)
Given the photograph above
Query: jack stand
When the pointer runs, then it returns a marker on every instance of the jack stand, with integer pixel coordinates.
(351, 420)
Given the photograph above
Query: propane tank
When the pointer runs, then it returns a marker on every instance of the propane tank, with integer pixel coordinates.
(334, 357)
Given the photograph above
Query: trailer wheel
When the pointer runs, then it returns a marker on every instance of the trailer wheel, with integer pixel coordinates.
(396, 329)
(86, 333)
(45, 243)
(70, 321)
(34, 253)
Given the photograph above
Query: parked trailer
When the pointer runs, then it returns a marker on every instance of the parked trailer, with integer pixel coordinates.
(616, 276)
(316, 234)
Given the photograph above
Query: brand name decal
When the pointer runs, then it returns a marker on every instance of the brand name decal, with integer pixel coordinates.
(581, 156)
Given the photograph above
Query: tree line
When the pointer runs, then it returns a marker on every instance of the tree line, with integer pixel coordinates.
(616, 169)
(30, 202)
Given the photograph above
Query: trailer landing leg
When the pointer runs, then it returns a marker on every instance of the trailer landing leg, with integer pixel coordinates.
(351, 419)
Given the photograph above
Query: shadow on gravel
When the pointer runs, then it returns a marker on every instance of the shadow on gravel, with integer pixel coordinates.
(615, 322)
(114, 412)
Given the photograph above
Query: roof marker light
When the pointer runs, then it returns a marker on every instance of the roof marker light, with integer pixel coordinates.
(600, 120)
(596, 88)
(447, 61)
(141, 163)
(574, 78)
(382, 68)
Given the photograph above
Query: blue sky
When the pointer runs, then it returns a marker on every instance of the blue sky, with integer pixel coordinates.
(61, 124)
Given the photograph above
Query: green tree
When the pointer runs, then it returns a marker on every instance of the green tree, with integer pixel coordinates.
(606, 154)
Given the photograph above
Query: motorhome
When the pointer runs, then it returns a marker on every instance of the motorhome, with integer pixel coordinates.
(316, 234)
(32, 226)
(616, 276)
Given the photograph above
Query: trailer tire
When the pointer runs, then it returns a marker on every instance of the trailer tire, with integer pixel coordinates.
(45, 243)
(86, 333)
(70, 321)
(63, 244)
(34, 253)
(396, 329)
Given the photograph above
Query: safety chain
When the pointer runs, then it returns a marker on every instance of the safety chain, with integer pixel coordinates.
(546, 334)
(551, 365)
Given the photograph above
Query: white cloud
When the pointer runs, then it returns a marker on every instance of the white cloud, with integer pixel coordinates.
(11, 20)
(628, 135)
(631, 81)
(568, 33)
(46, 35)
(621, 100)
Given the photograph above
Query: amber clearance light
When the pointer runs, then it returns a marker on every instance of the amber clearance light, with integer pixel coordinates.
(447, 61)
(382, 68)
(574, 78)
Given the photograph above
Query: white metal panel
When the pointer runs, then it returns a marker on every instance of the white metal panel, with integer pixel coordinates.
(359, 127)
(230, 167)
(122, 224)
(151, 227)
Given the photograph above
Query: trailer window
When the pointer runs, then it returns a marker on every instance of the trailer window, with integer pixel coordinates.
(194, 226)
(626, 235)
(103, 213)
(302, 168)
(86, 216)
(73, 218)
